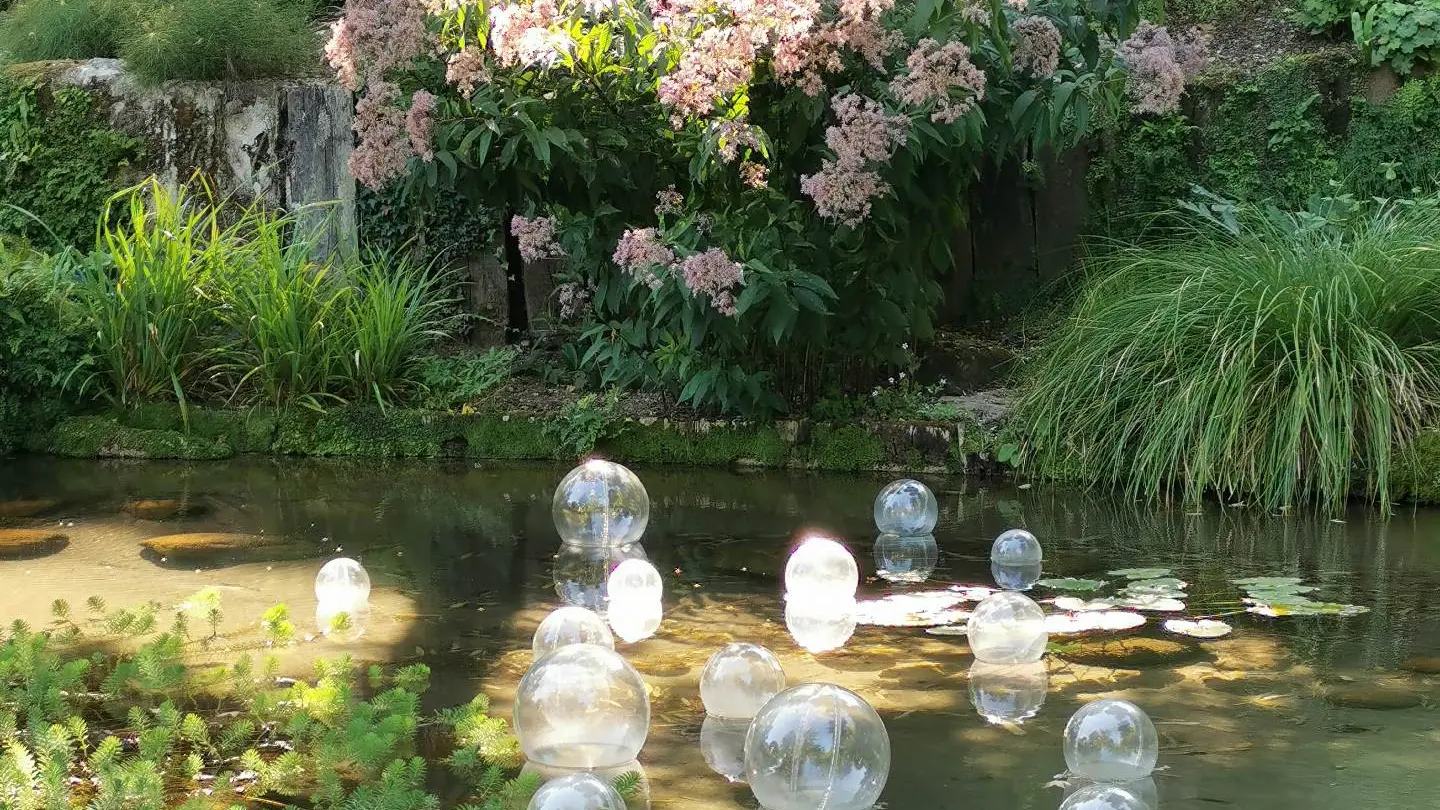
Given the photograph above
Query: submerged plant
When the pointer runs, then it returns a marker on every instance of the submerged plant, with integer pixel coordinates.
(1279, 359)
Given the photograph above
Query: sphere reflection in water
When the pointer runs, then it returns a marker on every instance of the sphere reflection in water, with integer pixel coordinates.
(635, 619)
(341, 622)
(638, 800)
(1111, 741)
(635, 579)
(1020, 577)
(600, 503)
(821, 568)
(1016, 547)
(342, 582)
(1144, 789)
(582, 574)
(906, 508)
(1008, 628)
(581, 791)
(739, 679)
(722, 743)
(820, 625)
(1008, 693)
(905, 559)
(817, 745)
(1103, 797)
(582, 706)
(570, 625)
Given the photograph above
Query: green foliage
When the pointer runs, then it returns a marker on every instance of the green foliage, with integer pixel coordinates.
(395, 312)
(1256, 355)
(59, 163)
(1393, 149)
(1321, 16)
(42, 339)
(1400, 33)
(585, 423)
(37, 30)
(455, 380)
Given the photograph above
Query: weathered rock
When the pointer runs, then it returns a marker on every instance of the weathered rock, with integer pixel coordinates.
(211, 546)
(1425, 665)
(966, 363)
(28, 542)
(1134, 652)
(1371, 696)
(165, 509)
(26, 507)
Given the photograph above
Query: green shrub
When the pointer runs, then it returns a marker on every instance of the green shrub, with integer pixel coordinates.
(42, 340)
(1400, 33)
(1260, 356)
(394, 313)
(36, 30)
(453, 381)
(220, 39)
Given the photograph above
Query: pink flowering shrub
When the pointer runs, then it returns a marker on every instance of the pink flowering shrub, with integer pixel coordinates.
(536, 237)
(1158, 65)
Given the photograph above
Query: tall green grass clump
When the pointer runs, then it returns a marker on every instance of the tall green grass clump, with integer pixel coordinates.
(1273, 358)
(220, 39)
(396, 312)
(36, 30)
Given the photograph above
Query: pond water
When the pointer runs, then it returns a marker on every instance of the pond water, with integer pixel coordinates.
(1309, 712)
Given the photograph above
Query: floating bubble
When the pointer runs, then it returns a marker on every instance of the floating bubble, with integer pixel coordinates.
(1016, 547)
(635, 579)
(1103, 797)
(582, 575)
(582, 706)
(821, 568)
(907, 508)
(1008, 693)
(1007, 628)
(906, 559)
(739, 679)
(341, 622)
(1111, 741)
(342, 581)
(570, 625)
(722, 744)
(1019, 577)
(635, 619)
(817, 745)
(581, 791)
(600, 503)
(820, 625)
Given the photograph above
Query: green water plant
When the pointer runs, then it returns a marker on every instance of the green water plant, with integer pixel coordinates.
(1266, 357)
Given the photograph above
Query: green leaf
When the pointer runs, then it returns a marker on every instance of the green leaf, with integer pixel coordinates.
(1022, 106)
(1071, 584)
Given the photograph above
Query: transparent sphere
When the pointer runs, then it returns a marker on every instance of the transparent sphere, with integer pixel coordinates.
(638, 800)
(820, 625)
(600, 503)
(821, 568)
(1008, 693)
(1016, 577)
(1144, 789)
(635, 619)
(907, 508)
(582, 706)
(342, 581)
(342, 622)
(1111, 741)
(1008, 628)
(906, 559)
(582, 574)
(740, 679)
(1016, 547)
(817, 745)
(570, 625)
(722, 744)
(581, 791)
(635, 579)
(1103, 797)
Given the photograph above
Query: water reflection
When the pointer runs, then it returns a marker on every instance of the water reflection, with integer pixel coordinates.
(635, 619)
(906, 559)
(722, 743)
(1143, 789)
(582, 574)
(1016, 577)
(640, 799)
(1008, 693)
(341, 623)
(820, 625)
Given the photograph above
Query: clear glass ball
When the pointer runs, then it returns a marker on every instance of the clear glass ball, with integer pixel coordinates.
(906, 559)
(1103, 797)
(1016, 577)
(342, 581)
(581, 791)
(1008, 693)
(820, 625)
(907, 508)
(600, 503)
(570, 625)
(635, 579)
(1016, 547)
(1008, 628)
(342, 622)
(821, 568)
(1111, 741)
(739, 679)
(817, 745)
(582, 574)
(635, 619)
(722, 744)
(582, 706)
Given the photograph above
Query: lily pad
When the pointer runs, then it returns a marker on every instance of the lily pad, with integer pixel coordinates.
(1200, 628)
(1140, 573)
(924, 609)
(1157, 584)
(1162, 604)
(950, 630)
(1300, 606)
(1065, 624)
(1074, 604)
(1267, 582)
(1071, 584)
(969, 593)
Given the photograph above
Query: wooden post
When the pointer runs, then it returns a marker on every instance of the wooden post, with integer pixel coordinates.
(489, 299)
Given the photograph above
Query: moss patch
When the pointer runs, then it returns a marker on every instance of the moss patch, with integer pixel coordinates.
(702, 443)
(106, 437)
(1417, 476)
(845, 447)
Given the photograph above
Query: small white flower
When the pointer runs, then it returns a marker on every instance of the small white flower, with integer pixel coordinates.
(892, 380)
(943, 381)
(905, 347)
(902, 375)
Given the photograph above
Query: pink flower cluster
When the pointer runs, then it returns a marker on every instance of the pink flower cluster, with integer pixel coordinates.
(732, 135)
(1037, 46)
(520, 32)
(373, 37)
(715, 275)
(536, 237)
(754, 175)
(866, 136)
(385, 146)
(466, 69)
(574, 297)
(420, 124)
(642, 254)
(975, 12)
(669, 201)
(942, 75)
(1158, 66)
(719, 62)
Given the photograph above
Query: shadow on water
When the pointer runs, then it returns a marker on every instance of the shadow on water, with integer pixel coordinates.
(462, 555)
